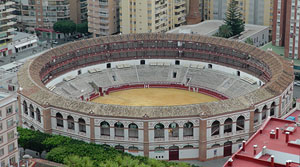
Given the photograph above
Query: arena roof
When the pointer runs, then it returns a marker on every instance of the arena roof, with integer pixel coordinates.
(33, 88)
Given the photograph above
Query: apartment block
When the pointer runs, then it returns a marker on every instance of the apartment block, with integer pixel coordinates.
(78, 11)
(151, 16)
(6, 26)
(103, 17)
(257, 12)
(9, 154)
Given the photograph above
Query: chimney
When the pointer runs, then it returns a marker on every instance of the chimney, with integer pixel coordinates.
(264, 149)
(277, 133)
(254, 149)
(230, 162)
(272, 134)
(244, 145)
(287, 134)
(194, 15)
(272, 161)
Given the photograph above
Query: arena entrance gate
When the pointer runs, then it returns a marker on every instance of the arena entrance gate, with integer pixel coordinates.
(227, 148)
(174, 153)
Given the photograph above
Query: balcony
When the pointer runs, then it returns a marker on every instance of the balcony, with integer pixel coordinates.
(8, 17)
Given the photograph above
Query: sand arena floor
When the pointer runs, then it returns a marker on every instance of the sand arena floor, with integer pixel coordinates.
(154, 97)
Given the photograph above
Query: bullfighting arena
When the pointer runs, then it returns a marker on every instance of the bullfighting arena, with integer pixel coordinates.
(154, 97)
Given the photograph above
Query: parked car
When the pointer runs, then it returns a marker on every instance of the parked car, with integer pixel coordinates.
(297, 83)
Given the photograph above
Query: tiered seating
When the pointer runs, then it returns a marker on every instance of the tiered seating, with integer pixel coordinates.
(127, 74)
(155, 73)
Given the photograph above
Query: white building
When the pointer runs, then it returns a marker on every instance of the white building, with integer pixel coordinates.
(259, 34)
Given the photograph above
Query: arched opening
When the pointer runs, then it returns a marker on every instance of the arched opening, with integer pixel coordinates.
(31, 109)
(133, 130)
(159, 131)
(264, 112)
(173, 130)
(133, 149)
(119, 148)
(177, 62)
(272, 110)
(256, 116)
(227, 148)
(215, 128)
(174, 153)
(238, 73)
(38, 115)
(240, 123)
(159, 149)
(119, 129)
(105, 128)
(25, 107)
(82, 125)
(142, 62)
(59, 120)
(188, 147)
(71, 124)
(228, 125)
(209, 65)
(188, 129)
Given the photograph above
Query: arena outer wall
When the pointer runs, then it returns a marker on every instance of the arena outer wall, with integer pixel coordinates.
(199, 127)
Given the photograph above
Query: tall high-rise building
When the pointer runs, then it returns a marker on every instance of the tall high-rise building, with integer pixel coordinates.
(9, 154)
(6, 26)
(257, 12)
(151, 16)
(103, 17)
(78, 11)
(44, 13)
(286, 27)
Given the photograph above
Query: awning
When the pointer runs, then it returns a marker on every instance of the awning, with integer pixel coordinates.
(26, 43)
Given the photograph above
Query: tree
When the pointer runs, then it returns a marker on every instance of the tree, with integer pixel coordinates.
(234, 18)
(65, 27)
(82, 28)
(224, 31)
(249, 41)
(76, 161)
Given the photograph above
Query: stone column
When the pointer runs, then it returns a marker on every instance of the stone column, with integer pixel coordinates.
(268, 112)
(180, 133)
(233, 128)
(146, 139)
(221, 131)
(112, 132)
(260, 117)
(126, 134)
(166, 134)
(47, 121)
(92, 130)
(202, 140)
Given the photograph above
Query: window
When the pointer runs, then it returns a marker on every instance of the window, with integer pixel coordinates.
(38, 115)
(105, 128)
(228, 125)
(159, 130)
(31, 111)
(188, 129)
(1, 152)
(1, 139)
(119, 148)
(82, 126)
(9, 110)
(256, 115)
(10, 123)
(215, 128)
(173, 130)
(119, 129)
(159, 150)
(133, 149)
(1, 127)
(10, 135)
(70, 120)
(240, 123)
(133, 130)
(11, 147)
(25, 108)
(59, 120)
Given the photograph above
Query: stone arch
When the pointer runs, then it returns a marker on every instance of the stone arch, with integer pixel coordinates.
(38, 115)
(133, 130)
(240, 123)
(173, 129)
(188, 129)
(119, 129)
(82, 125)
(71, 123)
(159, 131)
(104, 128)
(228, 125)
(59, 120)
(25, 107)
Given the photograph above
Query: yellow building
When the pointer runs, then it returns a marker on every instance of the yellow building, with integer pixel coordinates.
(254, 11)
(151, 16)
